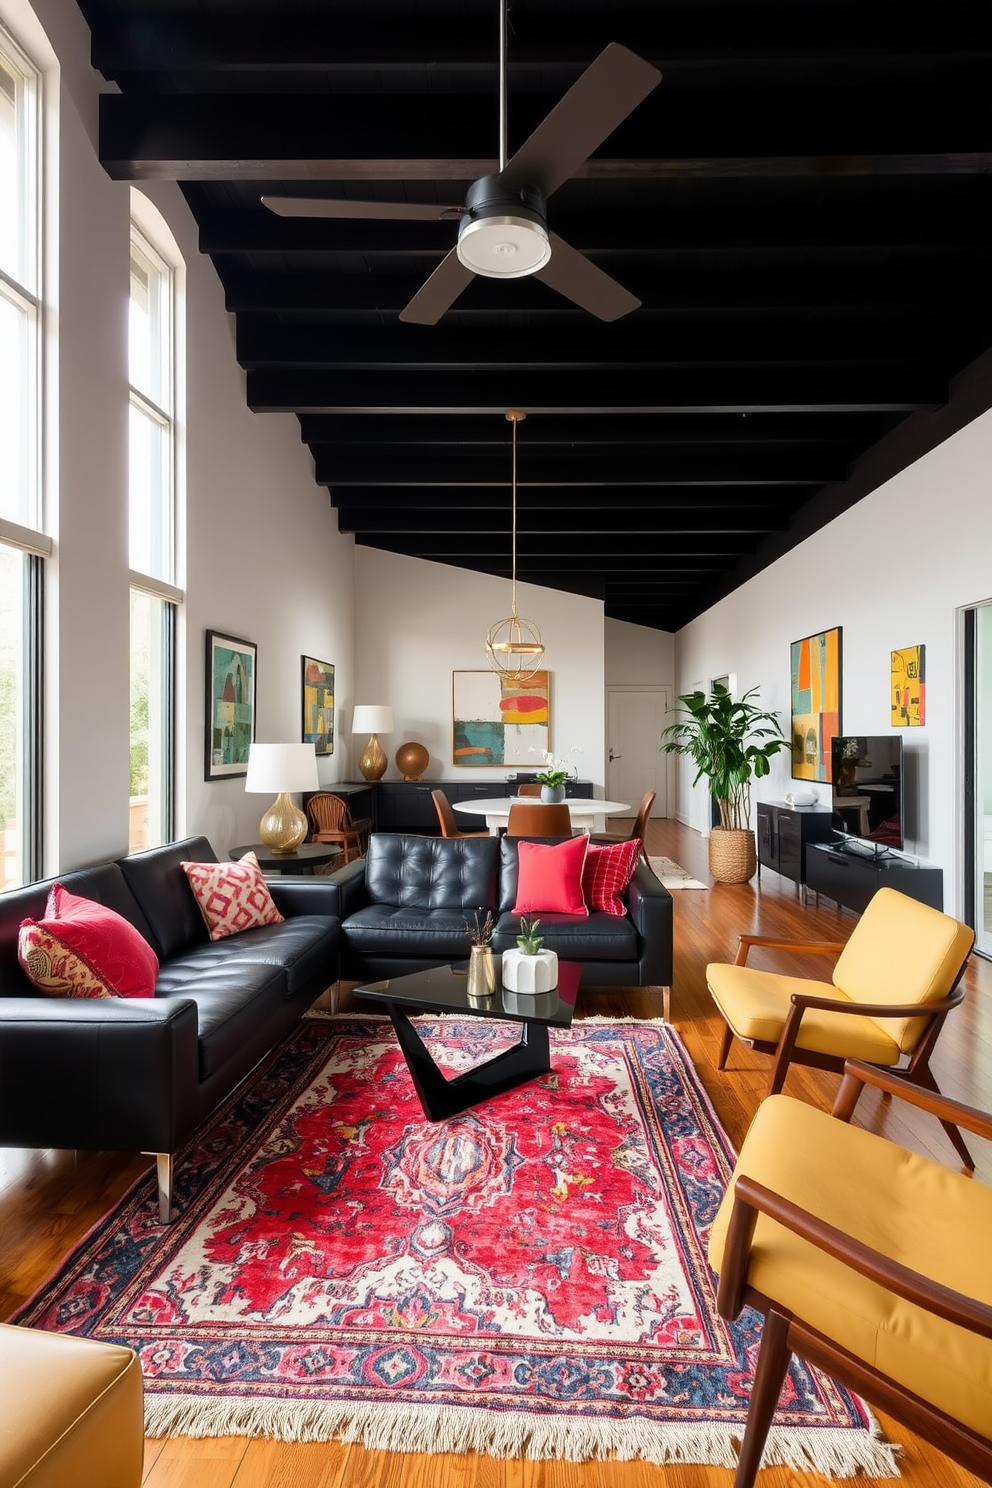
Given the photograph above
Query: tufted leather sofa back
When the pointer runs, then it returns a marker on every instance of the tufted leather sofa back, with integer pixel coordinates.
(449, 873)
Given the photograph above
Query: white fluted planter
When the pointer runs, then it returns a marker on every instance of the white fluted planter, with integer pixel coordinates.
(523, 973)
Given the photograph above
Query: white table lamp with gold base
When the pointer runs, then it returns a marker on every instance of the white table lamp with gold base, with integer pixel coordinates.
(372, 719)
(282, 768)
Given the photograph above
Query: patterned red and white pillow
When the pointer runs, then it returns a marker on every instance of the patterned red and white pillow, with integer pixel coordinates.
(80, 948)
(607, 871)
(232, 896)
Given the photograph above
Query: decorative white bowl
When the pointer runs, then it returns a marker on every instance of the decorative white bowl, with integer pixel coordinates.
(523, 973)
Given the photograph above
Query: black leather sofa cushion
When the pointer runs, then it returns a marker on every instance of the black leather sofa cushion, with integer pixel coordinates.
(233, 1001)
(162, 890)
(431, 873)
(380, 928)
(596, 937)
(305, 948)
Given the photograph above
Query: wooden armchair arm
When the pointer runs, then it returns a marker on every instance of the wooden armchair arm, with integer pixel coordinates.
(819, 947)
(751, 1197)
(857, 1074)
(879, 1009)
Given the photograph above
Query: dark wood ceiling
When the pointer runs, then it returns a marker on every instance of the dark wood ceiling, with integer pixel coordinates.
(802, 206)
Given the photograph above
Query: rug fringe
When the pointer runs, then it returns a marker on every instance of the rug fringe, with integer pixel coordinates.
(495, 1433)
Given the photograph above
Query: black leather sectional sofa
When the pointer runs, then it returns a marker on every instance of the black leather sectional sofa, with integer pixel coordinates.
(404, 907)
(141, 1073)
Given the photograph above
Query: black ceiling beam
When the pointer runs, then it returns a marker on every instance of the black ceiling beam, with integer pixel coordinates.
(893, 388)
(885, 129)
(946, 282)
(564, 432)
(716, 549)
(695, 500)
(759, 467)
(703, 38)
(756, 521)
(887, 221)
(843, 339)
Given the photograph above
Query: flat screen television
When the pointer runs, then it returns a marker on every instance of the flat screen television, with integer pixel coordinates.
(868, 800)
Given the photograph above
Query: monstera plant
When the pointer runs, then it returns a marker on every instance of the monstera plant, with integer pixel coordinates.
(731, 742)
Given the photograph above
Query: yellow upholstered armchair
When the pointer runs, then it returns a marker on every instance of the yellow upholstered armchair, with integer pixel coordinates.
(866, 1260)
(894, 983)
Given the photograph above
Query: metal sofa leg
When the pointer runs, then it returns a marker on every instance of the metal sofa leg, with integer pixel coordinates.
(666, 1004)
(164, 1164)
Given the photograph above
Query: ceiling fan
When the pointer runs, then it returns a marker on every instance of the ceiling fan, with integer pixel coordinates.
(503, 230)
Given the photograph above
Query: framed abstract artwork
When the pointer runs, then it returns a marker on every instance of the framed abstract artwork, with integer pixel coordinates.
(815, 664)
(230, 705)
(496, 722)
(318, 704)
(909, 687)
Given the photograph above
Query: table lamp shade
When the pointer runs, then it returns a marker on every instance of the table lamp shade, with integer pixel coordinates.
(372, 719)
(282, 768)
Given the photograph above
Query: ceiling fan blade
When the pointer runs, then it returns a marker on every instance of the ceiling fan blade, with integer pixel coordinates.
(608, 90)
(439, 293)
(578, 279)
(306, 206)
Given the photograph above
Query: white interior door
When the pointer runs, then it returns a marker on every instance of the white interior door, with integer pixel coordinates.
(635, 719)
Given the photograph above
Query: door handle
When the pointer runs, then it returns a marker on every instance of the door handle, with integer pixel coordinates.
(614, 756)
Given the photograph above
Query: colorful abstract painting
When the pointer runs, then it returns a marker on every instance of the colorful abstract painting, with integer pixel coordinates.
(815, 671)
(909, 687)
(496, 722)
(318, 705)
(230, 705)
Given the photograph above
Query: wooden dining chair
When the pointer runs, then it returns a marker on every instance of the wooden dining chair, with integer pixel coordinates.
(332, 821)
(637, 830)
(532, 788)
(446, 816)
(538, 820)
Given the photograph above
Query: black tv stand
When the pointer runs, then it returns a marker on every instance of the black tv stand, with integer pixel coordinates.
(851, 878)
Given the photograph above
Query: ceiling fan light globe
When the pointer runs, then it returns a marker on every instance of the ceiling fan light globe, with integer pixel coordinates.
(503, 247)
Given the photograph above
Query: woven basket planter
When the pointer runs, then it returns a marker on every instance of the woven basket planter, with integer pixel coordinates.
(732, 855)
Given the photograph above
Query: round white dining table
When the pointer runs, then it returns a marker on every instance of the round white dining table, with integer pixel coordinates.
(586, 815)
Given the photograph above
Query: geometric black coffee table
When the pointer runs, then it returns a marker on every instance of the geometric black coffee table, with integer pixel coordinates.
(443, 989)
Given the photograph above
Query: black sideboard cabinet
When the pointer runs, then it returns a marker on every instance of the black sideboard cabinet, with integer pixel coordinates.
(851, 878)
(784, 833)
(406, 805)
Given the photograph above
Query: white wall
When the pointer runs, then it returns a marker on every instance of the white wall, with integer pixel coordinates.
(264, 557)
(416, 622)
(893, 571)
(638, 657)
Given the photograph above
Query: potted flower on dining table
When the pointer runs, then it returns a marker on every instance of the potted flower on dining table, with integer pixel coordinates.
(554, 774)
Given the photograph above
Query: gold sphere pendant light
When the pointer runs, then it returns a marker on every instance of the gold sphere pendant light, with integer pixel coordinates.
(514, 647)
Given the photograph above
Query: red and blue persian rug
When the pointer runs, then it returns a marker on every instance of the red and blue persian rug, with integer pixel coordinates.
(527, 1278)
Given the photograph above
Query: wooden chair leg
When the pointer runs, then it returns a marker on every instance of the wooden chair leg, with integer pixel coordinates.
(726, 1039)
(773, 1361)
(922, 1075)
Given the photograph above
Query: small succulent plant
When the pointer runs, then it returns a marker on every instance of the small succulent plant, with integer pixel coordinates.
(528, 939)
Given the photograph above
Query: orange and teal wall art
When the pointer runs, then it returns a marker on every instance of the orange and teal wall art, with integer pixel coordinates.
(496, 722)
(815, 668)
(909, 687)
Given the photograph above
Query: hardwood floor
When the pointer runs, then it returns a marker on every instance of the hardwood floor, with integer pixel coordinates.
(49, 1199)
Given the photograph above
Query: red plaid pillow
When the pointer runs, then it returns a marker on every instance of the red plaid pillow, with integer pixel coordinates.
(232, 896)
(607, 872)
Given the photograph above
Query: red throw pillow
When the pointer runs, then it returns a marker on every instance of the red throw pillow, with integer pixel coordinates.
(232, 896)
(83, 949)
(607, 872)
(549, 877)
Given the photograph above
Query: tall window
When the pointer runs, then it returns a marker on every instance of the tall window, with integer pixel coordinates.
(23, 544)
(152, 542)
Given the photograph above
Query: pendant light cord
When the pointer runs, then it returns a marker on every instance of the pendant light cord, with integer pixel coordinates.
(513, 579)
